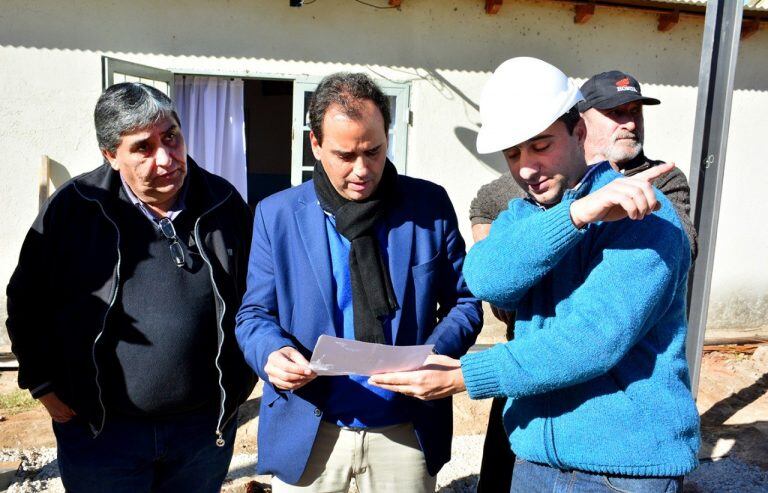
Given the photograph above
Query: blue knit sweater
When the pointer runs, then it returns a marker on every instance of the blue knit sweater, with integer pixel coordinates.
(596, 374)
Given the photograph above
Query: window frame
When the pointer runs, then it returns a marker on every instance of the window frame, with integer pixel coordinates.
(399, 125)
(143, 73)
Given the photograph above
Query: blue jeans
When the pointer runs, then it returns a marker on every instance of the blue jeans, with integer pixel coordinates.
(144, 455)
(530, 477)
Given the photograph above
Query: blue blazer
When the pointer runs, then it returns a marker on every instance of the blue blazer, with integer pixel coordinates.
(289, 302)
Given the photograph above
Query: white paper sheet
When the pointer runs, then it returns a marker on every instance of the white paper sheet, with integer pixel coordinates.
(335, 356)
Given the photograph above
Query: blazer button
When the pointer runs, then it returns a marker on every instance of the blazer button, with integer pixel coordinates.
(318, 412)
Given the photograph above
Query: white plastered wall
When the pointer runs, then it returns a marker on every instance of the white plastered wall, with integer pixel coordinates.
(50, 78)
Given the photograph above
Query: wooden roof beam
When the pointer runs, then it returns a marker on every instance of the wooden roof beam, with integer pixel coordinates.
(583, 12)
(492, 6)
(668, 20)
(749, 27)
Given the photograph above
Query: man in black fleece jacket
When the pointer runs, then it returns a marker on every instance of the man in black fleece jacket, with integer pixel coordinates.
(121, 309)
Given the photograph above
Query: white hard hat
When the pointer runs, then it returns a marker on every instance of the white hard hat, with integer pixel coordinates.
(523, 97)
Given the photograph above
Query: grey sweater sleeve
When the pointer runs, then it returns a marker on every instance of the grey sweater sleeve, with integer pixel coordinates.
(675, 186)
(493, 198)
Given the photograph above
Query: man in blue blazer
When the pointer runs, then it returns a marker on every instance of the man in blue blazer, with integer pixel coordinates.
(361, 253)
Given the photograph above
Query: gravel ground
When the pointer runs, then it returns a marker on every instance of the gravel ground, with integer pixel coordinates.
(727, 476)
(39, 472)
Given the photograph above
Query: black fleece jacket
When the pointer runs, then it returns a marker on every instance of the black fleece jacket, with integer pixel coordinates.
(68, 276)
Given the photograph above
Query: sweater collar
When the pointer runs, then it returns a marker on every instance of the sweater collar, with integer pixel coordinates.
(596, 176)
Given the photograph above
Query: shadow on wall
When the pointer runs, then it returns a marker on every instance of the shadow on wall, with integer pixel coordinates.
(468, 137)
(58, 174)
(52, 176)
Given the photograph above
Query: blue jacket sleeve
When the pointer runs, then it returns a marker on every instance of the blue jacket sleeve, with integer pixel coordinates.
(522, 246)
(460, 313)
(258, 331)
(637, 270)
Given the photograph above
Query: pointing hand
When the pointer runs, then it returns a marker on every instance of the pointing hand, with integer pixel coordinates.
(632, 197)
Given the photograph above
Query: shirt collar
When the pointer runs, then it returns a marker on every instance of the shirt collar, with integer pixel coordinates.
(590, 170)
(178, 206)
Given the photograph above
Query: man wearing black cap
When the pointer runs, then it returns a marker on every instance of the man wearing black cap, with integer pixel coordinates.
(613, 112)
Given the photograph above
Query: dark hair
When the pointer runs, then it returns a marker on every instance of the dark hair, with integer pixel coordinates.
(127, 107)
(346, 90)
(570, 118)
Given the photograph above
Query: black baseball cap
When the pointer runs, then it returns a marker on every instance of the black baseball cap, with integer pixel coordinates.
(611, 89)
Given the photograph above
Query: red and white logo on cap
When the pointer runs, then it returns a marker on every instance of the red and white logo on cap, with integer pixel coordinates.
(624, 85)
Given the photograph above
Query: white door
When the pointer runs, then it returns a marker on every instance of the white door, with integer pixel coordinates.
(115, 71)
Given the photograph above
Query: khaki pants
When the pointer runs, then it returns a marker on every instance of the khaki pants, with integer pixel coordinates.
(381, 460)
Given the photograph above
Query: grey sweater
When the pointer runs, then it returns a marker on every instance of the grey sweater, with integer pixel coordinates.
(493, 198)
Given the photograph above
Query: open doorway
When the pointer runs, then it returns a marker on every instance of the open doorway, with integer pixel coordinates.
(268, 119)
(240, 129)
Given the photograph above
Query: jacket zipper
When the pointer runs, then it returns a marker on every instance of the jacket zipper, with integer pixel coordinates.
(221, 422)
(96, 432)
(220, 442)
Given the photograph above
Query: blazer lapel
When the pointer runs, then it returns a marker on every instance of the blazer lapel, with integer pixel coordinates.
(399, 249)
(310, 219)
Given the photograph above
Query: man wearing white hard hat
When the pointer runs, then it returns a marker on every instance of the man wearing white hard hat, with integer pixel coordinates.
(612, 110)
(595, 265)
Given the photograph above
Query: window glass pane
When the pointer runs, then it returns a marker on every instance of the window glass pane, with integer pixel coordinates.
(157, 84)
(307, 97)
(308, 159)
(392, 101)
(392, 110)
(162, 86)
(391, 144)
(303, 158)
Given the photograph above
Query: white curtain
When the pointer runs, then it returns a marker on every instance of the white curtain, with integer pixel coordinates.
(213, 121)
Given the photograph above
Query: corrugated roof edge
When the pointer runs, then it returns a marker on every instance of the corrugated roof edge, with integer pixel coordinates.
(748, 4)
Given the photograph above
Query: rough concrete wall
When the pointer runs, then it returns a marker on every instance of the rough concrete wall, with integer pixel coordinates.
(51, 75)
(3, 333)
(739, 298)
